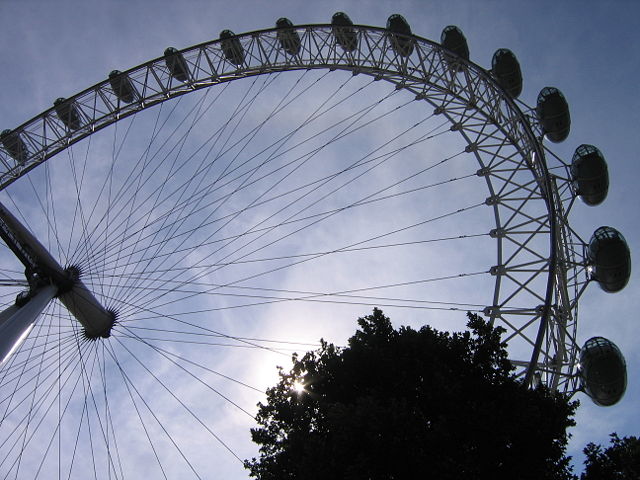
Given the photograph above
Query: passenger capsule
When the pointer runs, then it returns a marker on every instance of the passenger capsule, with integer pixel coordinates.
(603, 371)
(14, 145)
(67, 111)
(553, 114)
(176, 64)
(610, 258)
(288, 37)
(506, 69)
(342, 28)
(589, 174)
(398, 27)
(122, 86)
(231, 47)
(453, 40)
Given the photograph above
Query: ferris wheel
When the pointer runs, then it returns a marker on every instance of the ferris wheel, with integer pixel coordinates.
(162, 247)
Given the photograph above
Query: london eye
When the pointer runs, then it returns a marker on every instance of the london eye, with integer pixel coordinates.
(222, 205)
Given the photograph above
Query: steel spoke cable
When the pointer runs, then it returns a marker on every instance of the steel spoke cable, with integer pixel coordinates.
(135, 336)
(215, 335)
(59, 369)
(277, 107)
(79, 213)
(145, 159)
(404, 302)
(140, 164)
(37, 408)
(38, 366)
(117, 155)
(313, 298)
(136, 308)
(68, 360)
(106, 215)
(177, 399)
(20, 350)
(128, 384)
(171, 172)
(185, 323)
(303, 209)
(251, 172)
(109, 181)
(51, 354)
(86, 407)
(108, 412)
(291, 221)
(89, 394)
(79, 218)
(156, 130)
(51, 213)
(199, 172)
(199, 334)
(132, 335)
(248, 140)
(324, 213)
(157, 189)
(13, 282)
(281, 104)
(135, 275)
(77, 437)
(272, 270)
(286, 351)
(29, 417)
(4, 268)
(174, 341)
(264, 193)
(61, 415)
(367, 197)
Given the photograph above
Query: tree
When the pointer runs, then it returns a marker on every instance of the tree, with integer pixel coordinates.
(407, 403)
(620, 461)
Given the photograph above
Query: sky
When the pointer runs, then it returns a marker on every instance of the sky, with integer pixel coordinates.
(589, 50)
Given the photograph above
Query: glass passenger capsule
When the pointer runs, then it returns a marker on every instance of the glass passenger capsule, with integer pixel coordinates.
(453, 40)
(506, 70)
(589, 174)
(342, 28)
(122, 86)
(68, 113)
(610, 258)
(14, 145)
(176, 64)
(288, 37)
(553, 114)
(231, 47)
(398, 27)
(603, 371)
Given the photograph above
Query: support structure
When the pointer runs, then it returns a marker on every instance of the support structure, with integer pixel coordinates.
(47, 280)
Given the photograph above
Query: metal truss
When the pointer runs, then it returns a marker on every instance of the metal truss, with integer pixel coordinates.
(539, 271)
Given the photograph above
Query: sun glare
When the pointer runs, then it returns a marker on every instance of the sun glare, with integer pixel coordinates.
(298, 386)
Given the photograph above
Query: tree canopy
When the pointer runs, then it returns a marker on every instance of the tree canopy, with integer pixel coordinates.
(396, 404)
(620, 461)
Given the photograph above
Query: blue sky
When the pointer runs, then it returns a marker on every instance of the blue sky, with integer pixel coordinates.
(590, 50)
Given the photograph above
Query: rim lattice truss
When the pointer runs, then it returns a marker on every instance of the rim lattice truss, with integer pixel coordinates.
(505, 140)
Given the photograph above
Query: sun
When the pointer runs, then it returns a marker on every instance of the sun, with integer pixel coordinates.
(298, 386)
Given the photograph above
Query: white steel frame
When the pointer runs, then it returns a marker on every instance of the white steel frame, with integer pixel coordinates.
(530, 206)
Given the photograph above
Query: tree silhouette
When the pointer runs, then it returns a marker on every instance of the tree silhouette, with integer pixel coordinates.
(407, 403)
(620, 461)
